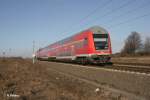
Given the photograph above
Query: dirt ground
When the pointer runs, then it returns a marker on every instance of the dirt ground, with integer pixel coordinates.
(138, 84)
(34, 82)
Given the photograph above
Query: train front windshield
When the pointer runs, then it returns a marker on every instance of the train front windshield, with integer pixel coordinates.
(100, 41)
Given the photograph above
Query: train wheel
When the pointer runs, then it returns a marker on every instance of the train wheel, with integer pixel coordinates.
(84, 61)
(109, 63)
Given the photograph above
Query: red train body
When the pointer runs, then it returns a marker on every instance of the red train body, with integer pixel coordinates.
(89, 46)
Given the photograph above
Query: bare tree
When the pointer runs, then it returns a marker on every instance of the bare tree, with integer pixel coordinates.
(147, 45)
(132, 43)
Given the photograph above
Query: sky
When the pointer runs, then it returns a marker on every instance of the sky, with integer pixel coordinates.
(47, 21)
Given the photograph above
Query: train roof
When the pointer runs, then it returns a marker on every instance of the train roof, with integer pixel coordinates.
(94, 29)
(98, 29)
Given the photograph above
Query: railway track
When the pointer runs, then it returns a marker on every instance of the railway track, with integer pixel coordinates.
(121, 67)
(131, 68)
(132, 82)
(114, 92)
(124, 67)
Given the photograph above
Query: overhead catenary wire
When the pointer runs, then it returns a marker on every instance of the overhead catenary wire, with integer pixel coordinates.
(101, 6)
(95, 10)
(111, 11)
(130, 11)
(108, 13)
(129, 20)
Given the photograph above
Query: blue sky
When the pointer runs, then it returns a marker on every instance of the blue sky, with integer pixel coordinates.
(46, 21)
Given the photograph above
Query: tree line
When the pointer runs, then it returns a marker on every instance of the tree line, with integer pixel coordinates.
(135, 46)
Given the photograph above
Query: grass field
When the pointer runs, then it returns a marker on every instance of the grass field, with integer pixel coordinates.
(132, 60)
(35, 82)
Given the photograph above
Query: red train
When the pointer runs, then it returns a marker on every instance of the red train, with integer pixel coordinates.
(92, 45)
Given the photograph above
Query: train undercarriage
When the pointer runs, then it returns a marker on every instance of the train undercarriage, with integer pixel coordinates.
(84, 60)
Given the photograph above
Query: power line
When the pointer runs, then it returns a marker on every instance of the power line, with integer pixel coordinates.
(130, 11)
(113, 10)
(95, 10)
(122, 6)
(91, 13)
(129, 20)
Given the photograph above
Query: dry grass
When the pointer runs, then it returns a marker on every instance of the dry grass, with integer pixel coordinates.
(132, 60)
(35, 82)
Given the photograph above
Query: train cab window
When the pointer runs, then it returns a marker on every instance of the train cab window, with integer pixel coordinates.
(100, 35)
(100, 41)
